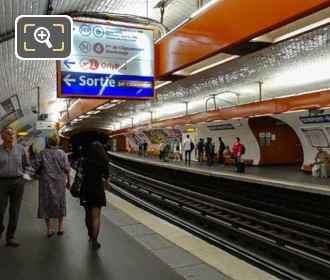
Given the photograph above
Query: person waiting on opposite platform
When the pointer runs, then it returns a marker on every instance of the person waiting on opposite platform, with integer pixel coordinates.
(13, 165)
(54, 169)
(237, 151)
(140, 146)
(145, 148)
(187, 150)
(200, 150)
(209, 151)
(321, 159)
(176, 149)
(161, 150)
(222, 148)
(227, 153)
(166, 151)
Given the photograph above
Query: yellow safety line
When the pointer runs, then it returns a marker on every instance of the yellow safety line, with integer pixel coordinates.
(28, 50)
(59, 50)
(60, 25)
(27, 25)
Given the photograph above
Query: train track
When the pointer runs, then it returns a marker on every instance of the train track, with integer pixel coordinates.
(287, 248)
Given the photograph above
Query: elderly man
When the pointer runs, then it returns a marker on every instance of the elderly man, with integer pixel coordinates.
(13, 162)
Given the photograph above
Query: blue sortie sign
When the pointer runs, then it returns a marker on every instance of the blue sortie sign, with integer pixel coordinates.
(106, 85)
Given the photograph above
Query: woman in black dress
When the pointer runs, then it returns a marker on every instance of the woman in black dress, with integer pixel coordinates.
(96, 179)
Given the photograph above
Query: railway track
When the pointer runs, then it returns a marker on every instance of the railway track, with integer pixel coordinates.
(287, 248)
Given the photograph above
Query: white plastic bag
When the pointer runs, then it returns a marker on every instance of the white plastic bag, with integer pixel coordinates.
(316, 169)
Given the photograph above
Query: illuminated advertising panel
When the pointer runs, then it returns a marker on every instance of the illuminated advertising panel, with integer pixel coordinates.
(108, 61)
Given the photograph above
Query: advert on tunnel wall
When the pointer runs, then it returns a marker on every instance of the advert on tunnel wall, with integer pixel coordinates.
(108, 61)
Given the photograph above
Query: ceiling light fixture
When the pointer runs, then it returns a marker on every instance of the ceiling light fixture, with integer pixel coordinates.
(214, 64)
(302, 30)
(163, 84)
(204, 8)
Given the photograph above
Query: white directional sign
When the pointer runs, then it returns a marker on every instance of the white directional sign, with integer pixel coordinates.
(108, 61)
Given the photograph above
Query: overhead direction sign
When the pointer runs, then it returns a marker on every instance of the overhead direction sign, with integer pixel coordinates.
(108, 61)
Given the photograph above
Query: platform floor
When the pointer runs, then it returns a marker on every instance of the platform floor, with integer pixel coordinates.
(135, 245)
(284, 176)
(70, 257)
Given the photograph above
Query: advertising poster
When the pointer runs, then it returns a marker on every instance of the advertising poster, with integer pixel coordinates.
(10, 111)
(153, 137)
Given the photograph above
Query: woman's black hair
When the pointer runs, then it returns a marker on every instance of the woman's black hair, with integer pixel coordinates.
(96, 155)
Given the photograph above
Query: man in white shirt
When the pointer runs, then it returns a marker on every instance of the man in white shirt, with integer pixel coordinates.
(187, 149)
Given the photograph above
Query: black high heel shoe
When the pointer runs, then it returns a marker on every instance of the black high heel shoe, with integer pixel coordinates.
(95, 245)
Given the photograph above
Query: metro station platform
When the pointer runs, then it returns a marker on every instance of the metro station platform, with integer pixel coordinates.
(286, 176)
(135, 245)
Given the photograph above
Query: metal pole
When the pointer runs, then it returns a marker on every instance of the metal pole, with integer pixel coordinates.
(132, 121)
(187, 112)
(147, 8)
(260, 91)
(67, 111)
(214, 102)
(38, 94)
(151, 116)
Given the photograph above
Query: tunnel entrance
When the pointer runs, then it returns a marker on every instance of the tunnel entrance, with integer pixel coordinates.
(278, 142)
(79, 142)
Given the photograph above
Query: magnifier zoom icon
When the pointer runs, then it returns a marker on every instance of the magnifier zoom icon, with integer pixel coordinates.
(41, 35)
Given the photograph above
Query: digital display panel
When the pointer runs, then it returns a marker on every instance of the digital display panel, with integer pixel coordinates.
(108, 61)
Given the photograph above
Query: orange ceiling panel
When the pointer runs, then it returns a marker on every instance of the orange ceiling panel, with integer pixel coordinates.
(226, 24)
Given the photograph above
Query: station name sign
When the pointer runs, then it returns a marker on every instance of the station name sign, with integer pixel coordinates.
(220, 126)
(315, 119)
(108, 61)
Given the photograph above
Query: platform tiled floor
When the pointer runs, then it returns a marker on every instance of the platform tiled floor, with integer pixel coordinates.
(129, 249)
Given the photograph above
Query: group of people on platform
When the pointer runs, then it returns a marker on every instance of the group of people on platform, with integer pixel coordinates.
(53, 169)
(183, 150)
(143, 148)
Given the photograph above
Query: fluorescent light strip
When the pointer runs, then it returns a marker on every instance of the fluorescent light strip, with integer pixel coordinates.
(214, 64)
(94, 112)
(163, 84)
(204, 8)
(302, 30)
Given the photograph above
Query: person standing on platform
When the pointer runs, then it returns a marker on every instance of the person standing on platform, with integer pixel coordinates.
(54, 169)
(209, 151)
(161, 150)
(187, 147)
(145, 148)
(140, 146)
(200, 149)
(222, 148)
(166, 151)
(13, 165)
(321, 159)
(176, 149)
(96, 176)
(237, 152)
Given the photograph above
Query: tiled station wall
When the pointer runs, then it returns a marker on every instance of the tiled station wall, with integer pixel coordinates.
(273, 155)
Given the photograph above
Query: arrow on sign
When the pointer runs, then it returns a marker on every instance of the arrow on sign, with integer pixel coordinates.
(67, 80)
(67, 63)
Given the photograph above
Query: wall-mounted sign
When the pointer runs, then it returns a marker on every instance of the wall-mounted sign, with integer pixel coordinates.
(10, 111)
(189, 129)
(315, 119)
(108, 61)
(43, 125)
(220, 126)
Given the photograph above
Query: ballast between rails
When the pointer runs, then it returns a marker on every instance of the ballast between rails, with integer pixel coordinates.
(226, 221)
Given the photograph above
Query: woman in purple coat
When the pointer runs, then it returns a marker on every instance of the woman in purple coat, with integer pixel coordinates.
(54, 169)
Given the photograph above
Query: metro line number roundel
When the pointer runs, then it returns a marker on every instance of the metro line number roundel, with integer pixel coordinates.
(108, 61)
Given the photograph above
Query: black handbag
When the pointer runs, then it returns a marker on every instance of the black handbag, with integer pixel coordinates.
(77, 186)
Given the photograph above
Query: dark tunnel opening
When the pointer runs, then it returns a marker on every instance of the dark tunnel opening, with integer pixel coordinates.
(80, 142)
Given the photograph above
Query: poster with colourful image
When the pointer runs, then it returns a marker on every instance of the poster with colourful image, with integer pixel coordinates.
(153, 137)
